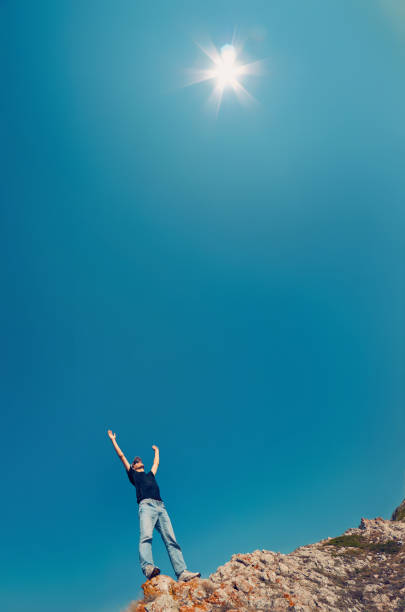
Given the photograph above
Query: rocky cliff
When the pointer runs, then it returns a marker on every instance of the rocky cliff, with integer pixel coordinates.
(361, 570)
(399, 513)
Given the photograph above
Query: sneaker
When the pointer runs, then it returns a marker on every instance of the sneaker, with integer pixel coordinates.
(186, 575)
(151, 571)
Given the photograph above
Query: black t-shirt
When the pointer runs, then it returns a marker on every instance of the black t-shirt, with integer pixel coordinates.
(145, 484)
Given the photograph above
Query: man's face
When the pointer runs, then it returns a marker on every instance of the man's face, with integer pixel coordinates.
(138, 465)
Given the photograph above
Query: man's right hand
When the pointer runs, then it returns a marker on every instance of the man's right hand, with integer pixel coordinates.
(119, 452)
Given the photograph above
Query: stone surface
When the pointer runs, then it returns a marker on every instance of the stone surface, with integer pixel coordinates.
(399, 513)
(361, 571)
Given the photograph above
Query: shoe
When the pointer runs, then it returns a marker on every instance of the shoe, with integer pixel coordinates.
(186, 575)
(151, 571)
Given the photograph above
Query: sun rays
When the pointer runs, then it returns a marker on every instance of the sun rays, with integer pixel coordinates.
(226, 73)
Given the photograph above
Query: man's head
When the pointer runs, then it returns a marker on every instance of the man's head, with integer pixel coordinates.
(137, 464)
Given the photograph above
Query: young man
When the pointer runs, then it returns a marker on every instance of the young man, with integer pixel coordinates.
(152, 513)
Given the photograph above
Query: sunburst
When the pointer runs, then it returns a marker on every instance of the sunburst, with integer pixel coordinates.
(226, 72)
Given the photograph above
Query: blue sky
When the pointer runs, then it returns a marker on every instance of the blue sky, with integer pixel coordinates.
(229, 288)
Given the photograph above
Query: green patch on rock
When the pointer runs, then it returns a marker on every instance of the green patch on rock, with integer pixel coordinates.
(356, 541)
(399, 513)
(400, 516)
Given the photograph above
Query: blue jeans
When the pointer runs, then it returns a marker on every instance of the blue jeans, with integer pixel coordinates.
(152, 513)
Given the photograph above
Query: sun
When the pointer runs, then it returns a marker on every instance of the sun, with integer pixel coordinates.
(226, 72)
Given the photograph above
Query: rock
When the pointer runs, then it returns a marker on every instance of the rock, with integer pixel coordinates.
(360, 571)
(399, 513)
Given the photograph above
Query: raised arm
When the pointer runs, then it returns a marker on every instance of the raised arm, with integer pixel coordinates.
(156, 460)
(119, 452)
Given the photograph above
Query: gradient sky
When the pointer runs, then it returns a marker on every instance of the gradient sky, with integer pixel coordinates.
(229, 288)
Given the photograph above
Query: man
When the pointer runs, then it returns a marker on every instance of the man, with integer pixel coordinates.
(152, 513)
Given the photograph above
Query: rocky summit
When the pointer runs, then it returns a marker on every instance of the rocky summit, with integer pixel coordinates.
(361, 570)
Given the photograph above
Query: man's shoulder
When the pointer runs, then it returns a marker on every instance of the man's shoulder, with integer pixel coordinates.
(134, 474)
(131, 473)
